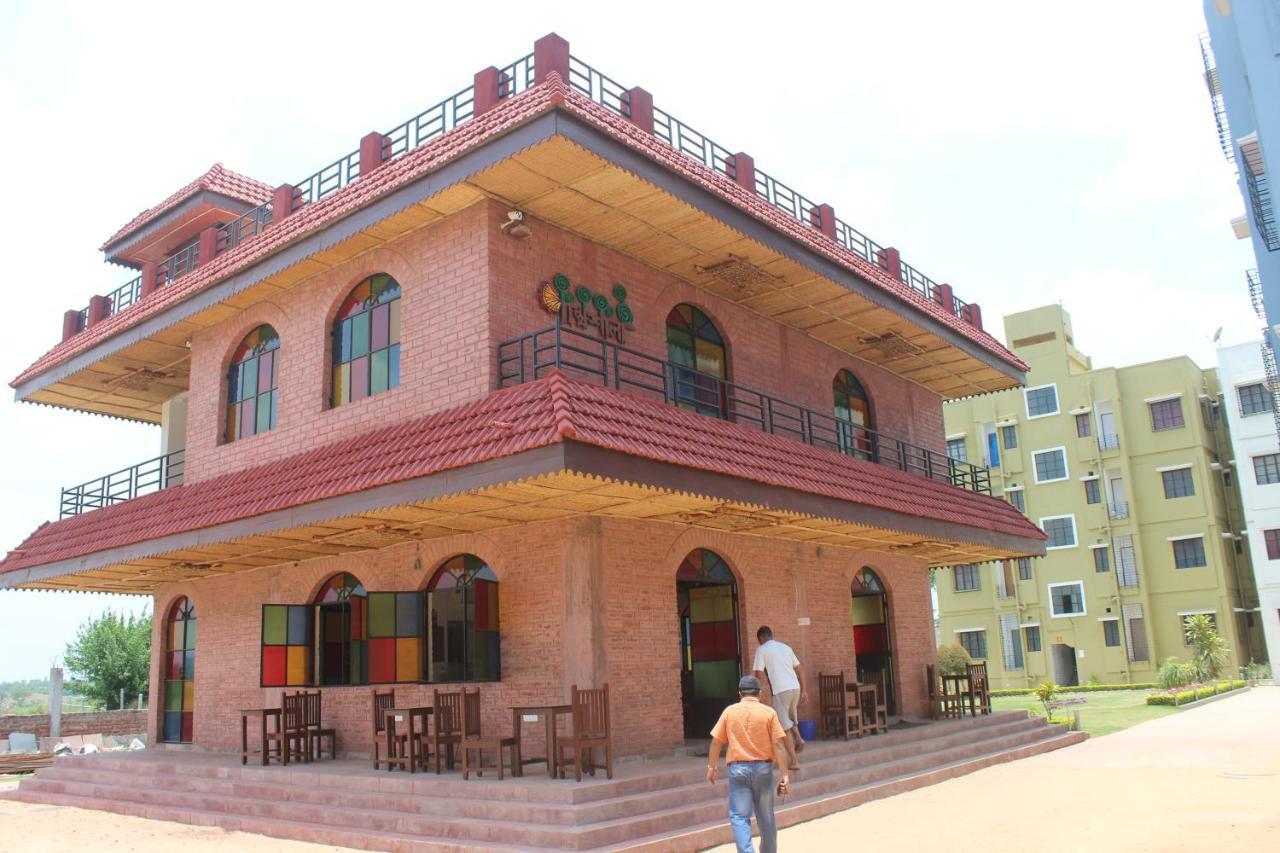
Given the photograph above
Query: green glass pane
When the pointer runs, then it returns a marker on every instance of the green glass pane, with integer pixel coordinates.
(393, 364)
(173, 695)
(274, 624)
(191, 634)
(264, 413)
(360, 335)
(378, 374)
(275, 405)
(249, 379)
(382, 614)
(357, 662)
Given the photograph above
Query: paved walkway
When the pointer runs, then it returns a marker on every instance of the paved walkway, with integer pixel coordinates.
(1204, 779)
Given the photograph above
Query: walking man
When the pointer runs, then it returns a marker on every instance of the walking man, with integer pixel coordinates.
(756, 743)
(786, 682)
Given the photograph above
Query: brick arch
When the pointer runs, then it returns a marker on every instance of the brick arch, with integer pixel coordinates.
(733, 553)
(895, 624)
(433, 555)
(319, 583)
(716, 320)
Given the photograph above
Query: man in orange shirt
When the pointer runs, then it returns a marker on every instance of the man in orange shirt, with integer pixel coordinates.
(756, 743)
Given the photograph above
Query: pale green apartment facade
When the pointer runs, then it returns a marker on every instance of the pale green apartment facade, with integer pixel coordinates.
(1128, 471)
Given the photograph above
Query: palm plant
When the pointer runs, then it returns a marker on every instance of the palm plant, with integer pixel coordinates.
(1210, 649)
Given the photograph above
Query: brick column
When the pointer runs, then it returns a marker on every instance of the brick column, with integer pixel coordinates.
(99, 310)
(150, 279)
(889, 258)
(486, 86)
(744, 171)
(70, 323)
(973, 315)
(823, 218)
(208, 245)
(641, 108)
(281, 202)
(550, 53)
(370, 153)
(944, 296)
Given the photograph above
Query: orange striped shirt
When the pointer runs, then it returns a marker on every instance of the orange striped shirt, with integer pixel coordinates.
(750, 728)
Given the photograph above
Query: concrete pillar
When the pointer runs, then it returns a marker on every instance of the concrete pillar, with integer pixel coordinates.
(585, 634)
(641, 108)
(99, 310)
(208, 245)
(487, 85)
(55, 702)
(891, 261)
(550, 53)
(173, 424)
(150, 279)
(70, 323)
(370, 153)
(744, 171)
(972, 315)
(281, 202)
(944, 296)
(823, 217)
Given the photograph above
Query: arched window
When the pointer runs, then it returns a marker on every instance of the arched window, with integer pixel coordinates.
(696, 348)
(867, 582)
(871, 638)
(341, 614)
(366, 340)
(180, 672)
(463, 642)
(252, 395)
(707, 606)
(853, 414)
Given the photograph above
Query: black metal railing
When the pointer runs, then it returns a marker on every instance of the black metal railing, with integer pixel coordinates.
(143, 478)
(530, 357)
(1255, 293)
(125, 295)
(1264, 215)
(1214, 82)
(599, 87)
(242, 227)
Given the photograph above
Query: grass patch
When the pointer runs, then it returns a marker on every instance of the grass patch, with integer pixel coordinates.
(1104, 713)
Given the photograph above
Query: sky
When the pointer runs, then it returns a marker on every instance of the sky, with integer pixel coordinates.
(1025, 153)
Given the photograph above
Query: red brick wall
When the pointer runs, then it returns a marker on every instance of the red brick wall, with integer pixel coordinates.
(101, 722)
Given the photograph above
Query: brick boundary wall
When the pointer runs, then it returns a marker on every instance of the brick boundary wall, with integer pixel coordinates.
(103, 722)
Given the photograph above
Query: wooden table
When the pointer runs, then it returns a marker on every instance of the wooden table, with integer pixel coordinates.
(413, 741)
(867, 700)
(263, 714)
(548, 714)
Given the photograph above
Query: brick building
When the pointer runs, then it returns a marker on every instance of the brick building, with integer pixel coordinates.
(539, 388)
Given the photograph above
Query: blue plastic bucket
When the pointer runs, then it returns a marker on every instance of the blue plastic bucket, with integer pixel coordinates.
(808, 730)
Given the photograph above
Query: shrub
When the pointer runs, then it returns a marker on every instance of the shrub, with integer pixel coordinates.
(952, 659)
(1094, 680)
(1175, 673)
(1211, 650)
(1255, 671)
(1200, 691)
(1045, 692)
(1083, 688)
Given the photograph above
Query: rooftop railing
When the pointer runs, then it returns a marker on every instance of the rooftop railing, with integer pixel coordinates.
(513, 79)
(530, 357)
(125, 484)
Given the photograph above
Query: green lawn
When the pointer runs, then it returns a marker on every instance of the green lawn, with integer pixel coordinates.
(1102, 714)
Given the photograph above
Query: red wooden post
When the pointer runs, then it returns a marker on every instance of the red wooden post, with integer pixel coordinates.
(641, 108)
(486, 86)
(208, 245)
(973, 315)
(891, 261)
(550, 53)
(150, 279)
(945, 297)
(370, 153)
(281, 202)
(99, 310)
(744, 171)
(823, 218)
(70, 323)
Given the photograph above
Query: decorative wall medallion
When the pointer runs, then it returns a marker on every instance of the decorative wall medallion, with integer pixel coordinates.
(582, 309)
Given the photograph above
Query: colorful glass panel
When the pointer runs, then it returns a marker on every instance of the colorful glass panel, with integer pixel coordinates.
(287, 637)
(251, 384)
(852, 408)
(342, 605)
(867, 582)
(180, 671)
(463, 636)
(696, 349)
(395, 636)
(366, 340)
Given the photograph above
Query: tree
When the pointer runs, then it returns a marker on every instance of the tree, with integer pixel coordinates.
(953, 659)
(1211, 650)
(110, 653)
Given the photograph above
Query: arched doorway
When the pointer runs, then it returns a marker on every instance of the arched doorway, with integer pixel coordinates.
(710, 660)
(852, 408)
(341, 614)
(696, 350)
(180, 672)
(870, 612)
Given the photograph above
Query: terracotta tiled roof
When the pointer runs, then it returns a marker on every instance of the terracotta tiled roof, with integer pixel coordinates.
(411, 166)
(507, 422)
(218, 179)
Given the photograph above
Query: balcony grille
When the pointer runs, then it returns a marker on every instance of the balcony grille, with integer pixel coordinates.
(126, 484)
(1255, 178)
(1118, 510)
(1214, 83)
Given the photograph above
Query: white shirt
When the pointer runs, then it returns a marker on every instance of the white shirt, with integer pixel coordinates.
(779, 662)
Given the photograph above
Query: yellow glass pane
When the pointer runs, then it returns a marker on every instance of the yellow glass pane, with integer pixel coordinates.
(724, 608)
(393, 336)
(188, 695)
(702, 607)
(710, 358)
(342, 384)
(408, 666)
(296, 672)
(177, 635)
(233, 421)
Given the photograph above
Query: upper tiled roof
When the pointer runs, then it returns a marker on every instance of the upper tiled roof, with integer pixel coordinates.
(507, 422)
(403, 170)
(218, 179)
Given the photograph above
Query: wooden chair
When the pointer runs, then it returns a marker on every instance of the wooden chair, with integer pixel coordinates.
(382, 702)
(316, 733)
(473, 741)
(950, 699)
(592, 729)
(935, 694)
(876, 717)
(835, 716)
(447, 713)
(979, 693)
(291, 741)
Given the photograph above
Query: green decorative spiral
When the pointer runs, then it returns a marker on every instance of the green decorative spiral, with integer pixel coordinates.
(624, 313)
(584, 294)
(561, 282)
(620, 292)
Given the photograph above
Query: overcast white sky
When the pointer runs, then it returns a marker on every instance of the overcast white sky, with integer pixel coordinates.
(1026, 153)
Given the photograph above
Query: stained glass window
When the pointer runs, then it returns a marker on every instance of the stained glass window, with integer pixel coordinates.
(342, 617)
(696, 348)
(395, 636)
(707, 591)
(366, 340)
(867, 582)
(287, 636)
(252, 393)
(463, 639)
(853, 413)
(180, 672)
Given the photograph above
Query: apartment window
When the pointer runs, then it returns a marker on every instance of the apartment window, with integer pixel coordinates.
(1254, 399)
(1092, 492)
(1066, 599)
(1101, 559)
(1166, 414)
(966, 577)
(1188, 553)
(1178, 483)
(366, 341)
(1272, 538)
(1126, 560)
(1135, 632)
(1061, 530)
(1042, 401)
(1024, 568)
(252, 394)
(1082, 426)
(1266, 469)
(1184, 618)
(1009, 435)
(1050, 465)
(974, 642)
(1111, 632)
(957, 450)
(1018, 498)
(1011, 641)
(1032, 633)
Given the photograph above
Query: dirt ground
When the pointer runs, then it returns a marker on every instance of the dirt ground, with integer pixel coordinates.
(1204, 779)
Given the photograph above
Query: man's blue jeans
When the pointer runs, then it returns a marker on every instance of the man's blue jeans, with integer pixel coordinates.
(751, 788)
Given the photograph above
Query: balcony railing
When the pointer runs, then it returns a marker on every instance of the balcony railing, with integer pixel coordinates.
(1214, 82)
(1118, 510)
(1108, 441)
(140, 479)
(611, 365)
(459, 108)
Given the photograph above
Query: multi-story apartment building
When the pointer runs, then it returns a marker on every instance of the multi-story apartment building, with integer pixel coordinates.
(1126, 470)
(538, 388)
(1255, 457)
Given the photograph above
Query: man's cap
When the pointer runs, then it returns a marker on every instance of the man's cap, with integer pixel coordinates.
(748, 684)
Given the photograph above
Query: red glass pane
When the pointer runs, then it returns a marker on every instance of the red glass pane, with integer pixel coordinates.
(381, 328)
(358, 605)
(382, 659)
(266, 371)
(726, 640)
(248, 417)
(360, 378)
(175, 666)
(704, 641)
(274, 662)
(188, 726)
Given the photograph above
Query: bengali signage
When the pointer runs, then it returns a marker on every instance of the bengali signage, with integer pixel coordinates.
(608, 317)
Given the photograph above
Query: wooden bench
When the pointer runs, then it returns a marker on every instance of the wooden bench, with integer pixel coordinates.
(1054, 704)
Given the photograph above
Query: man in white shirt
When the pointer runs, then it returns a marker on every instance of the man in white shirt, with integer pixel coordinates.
(786, 683)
